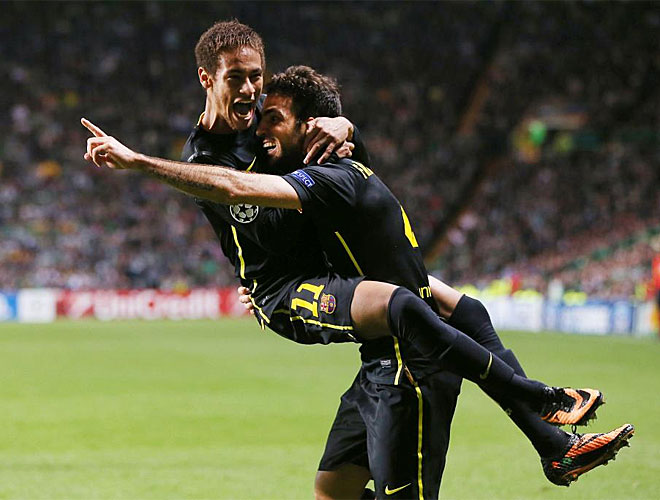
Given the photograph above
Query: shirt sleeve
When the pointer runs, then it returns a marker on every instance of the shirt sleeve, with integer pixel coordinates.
(360, 152)
(325, 187)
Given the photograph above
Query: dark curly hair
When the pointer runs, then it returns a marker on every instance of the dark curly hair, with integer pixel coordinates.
(224, 36)
(312, 94)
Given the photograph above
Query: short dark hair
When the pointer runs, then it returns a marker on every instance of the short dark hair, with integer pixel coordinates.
(312, 94)
(224, 36)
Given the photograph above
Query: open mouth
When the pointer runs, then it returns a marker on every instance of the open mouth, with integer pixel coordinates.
(243, 109)
(269, 146)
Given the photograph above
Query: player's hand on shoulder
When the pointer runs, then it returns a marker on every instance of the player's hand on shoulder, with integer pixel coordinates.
(106, 151)
(324, 136)
(245, 298)
(345, 150)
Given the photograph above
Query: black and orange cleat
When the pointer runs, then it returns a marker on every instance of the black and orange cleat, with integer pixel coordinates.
(571, 406)
(584, 452)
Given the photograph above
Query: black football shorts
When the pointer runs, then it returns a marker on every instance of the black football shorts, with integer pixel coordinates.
(399, 432)
(317, 310)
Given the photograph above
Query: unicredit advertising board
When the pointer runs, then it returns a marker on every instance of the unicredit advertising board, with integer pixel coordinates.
(149, 304)
(508, 313)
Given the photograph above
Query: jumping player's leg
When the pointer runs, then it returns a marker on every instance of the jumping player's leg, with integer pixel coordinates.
(471, 317)
(382, 307)
(410, 318)
(446, 298)
(321, 313)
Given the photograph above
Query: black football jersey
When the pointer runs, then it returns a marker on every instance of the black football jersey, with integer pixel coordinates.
(261, 243)
(271, 249)
(364, 230)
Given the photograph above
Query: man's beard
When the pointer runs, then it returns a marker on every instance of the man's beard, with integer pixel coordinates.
(287, 163)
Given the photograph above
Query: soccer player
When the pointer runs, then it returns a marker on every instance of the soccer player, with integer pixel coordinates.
(367, 308)
(230, 59)
(244, 234)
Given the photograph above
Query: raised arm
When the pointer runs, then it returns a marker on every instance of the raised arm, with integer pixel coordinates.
(326, 135)
(219, 184)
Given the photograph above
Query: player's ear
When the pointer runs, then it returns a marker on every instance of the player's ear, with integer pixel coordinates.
(204, 78)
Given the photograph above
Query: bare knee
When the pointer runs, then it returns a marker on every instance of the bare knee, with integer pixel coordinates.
(346, 483)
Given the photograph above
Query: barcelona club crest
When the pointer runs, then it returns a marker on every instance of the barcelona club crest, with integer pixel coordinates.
(328, 303)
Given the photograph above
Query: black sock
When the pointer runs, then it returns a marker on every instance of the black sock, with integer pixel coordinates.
(547, 439)
(471, 317)
(411, 319)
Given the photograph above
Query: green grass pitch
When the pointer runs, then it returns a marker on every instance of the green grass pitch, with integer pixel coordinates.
(168, 410)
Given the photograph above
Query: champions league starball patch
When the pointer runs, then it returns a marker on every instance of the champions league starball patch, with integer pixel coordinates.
(243, 212)
(328, 303)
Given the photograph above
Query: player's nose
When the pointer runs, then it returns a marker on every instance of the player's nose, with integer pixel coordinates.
(261, 129)
(247, 88)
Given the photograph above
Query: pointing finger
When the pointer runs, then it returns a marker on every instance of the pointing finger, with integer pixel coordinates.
(92, 128)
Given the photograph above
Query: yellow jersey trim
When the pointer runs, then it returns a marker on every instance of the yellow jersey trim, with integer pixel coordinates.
(399, 361)
(407, 228)
(318, 323)
(420, 423)
(240, 252)
(251, 164)
(261, 312)
(254, 304)
(350, 254)
(365, 171)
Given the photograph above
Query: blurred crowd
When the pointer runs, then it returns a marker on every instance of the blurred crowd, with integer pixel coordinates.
(565, 219)
(409, 73)
(577, 205)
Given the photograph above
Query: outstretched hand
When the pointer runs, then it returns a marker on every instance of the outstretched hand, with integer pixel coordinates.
(106, 151)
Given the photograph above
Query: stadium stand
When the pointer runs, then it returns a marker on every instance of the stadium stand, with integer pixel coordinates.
(568, 208)
(490, 199)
